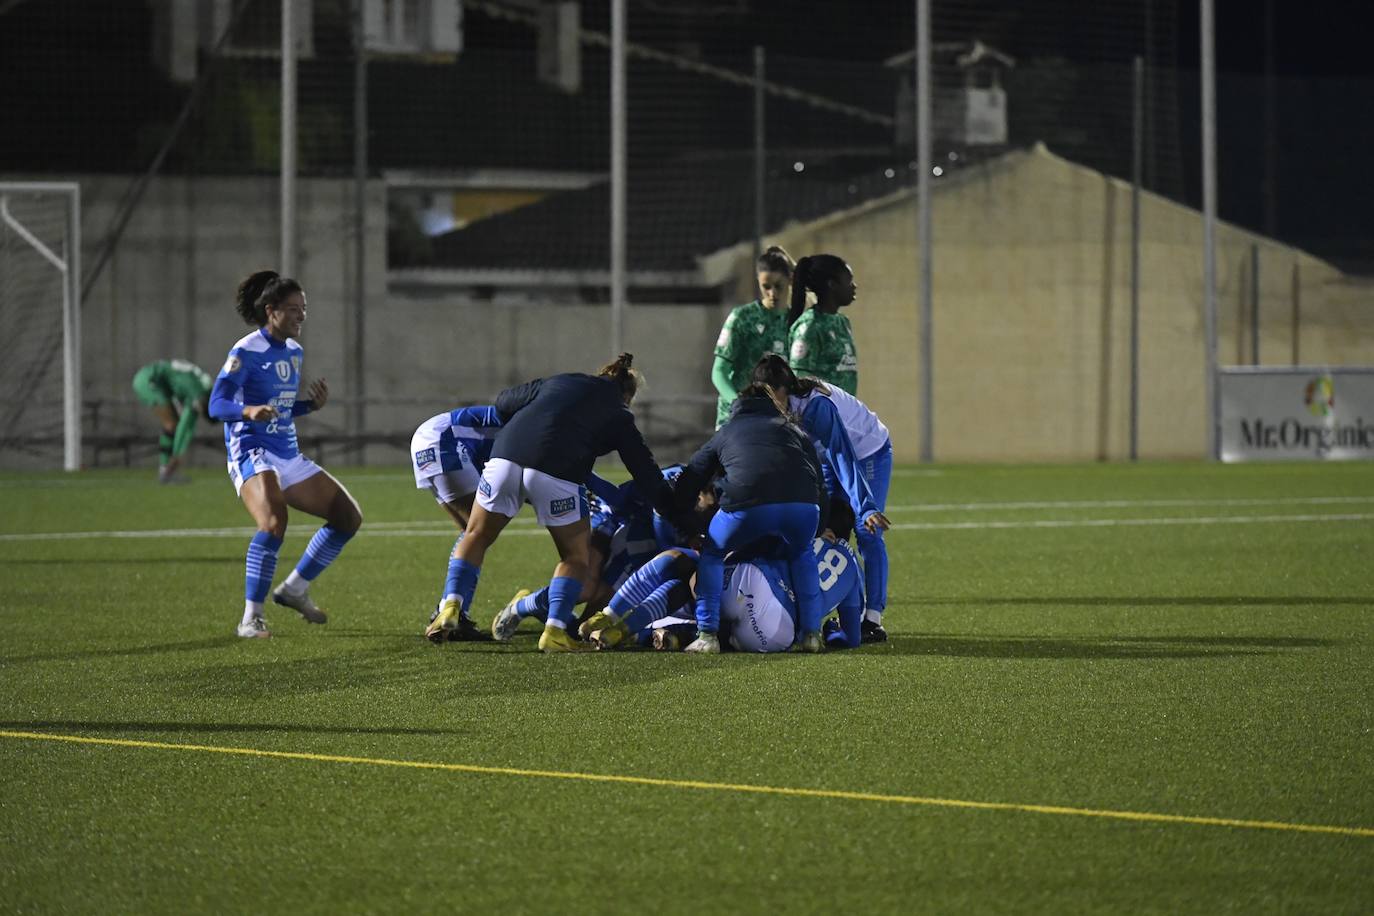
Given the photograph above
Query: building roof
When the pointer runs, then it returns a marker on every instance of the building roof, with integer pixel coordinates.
(677, 214)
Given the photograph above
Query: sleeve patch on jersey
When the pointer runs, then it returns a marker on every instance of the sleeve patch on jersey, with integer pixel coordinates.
(724, 339)
(798, 349)
(231, 365)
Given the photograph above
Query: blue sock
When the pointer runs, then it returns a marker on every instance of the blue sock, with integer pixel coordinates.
(642, 583)
(322, 550)
(260, 565)
(461, 583)
(874, 552)
(536, 605)
(563, 594)
(655, 607)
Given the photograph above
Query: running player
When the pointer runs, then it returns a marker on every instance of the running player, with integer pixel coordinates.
(448, 452)
(752, 330)
(178, 392)
(821, 342)
(554, 429)
(256, 397)
(771, 485)
(856, 452)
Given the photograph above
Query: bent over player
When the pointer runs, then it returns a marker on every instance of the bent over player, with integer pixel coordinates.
(554, 430)
(177, 392)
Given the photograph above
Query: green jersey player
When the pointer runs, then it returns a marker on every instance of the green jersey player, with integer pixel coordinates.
(752, 331)
(821, 342)
(177, 391)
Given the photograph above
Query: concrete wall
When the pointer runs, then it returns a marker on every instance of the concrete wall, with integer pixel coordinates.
(1032, 314)
(169, 292)
(1032, 320)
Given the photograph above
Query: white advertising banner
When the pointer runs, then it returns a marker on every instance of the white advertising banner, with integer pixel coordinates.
(1296, 414)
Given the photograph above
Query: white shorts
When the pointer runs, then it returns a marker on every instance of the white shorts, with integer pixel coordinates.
(289, 471)
(452, 486)
(505, 486)
(758, 621)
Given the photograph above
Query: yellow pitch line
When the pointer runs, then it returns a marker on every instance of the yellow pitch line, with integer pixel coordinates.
(1142, 816)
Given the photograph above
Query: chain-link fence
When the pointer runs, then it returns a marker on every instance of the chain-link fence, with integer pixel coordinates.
(476, 252)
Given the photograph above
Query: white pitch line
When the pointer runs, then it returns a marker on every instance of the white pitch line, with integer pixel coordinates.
(1132, 503)
(1132, 522)
(990, 525)
(231, 533)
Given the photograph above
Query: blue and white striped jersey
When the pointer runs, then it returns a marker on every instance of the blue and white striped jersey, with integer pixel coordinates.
(260, 370)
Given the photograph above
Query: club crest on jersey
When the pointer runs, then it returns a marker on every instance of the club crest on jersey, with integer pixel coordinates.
(425, 458)
(283, 369)
(562, 506)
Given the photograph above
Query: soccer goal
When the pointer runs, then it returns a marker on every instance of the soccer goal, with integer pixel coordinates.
(40, 323)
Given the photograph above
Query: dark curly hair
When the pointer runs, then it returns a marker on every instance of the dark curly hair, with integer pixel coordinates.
(260, 290)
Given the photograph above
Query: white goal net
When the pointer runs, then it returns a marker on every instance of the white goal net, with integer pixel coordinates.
(40, 324)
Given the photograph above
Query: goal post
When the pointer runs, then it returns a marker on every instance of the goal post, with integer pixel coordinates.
(40, 264)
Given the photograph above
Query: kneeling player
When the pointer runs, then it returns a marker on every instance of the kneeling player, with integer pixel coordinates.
(448, 452)
(758, 608)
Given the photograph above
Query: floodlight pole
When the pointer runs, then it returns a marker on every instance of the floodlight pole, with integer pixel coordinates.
(923, 229)
(357, 371)
(760, 152)
(287, 266)
(1209, 219)
(617, 176)
(1137, 162)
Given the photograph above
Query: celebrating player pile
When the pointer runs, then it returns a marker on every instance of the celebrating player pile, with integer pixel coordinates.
(745, 547)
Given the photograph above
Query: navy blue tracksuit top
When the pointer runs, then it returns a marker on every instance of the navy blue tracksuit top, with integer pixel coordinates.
(561, 424)
(762, 458)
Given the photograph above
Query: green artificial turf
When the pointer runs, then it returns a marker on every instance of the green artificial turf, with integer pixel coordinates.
(1201, 669)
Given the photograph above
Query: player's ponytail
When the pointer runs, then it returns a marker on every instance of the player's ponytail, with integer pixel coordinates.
(815, 273)
(621, 371)
(250, 291)
(260, 290)
(776, 260)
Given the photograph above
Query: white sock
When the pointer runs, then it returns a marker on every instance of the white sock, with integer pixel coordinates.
(873, 616)
(295, 583)
(251, 609)
(555, 623)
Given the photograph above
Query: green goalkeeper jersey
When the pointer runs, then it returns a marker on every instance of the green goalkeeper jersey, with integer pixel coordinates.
(750, 333)
(172, 380)
(822, 345)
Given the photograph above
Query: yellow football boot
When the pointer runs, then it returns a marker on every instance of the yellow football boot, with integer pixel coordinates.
(447, 619)
(598, 621)
(557, 639)
(610, 636)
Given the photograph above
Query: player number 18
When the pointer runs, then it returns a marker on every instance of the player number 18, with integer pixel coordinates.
(831, 566)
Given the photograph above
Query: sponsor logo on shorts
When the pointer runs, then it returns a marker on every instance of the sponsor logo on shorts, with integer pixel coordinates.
(562, 506)
(484, 488)
(425, 458)
(750, 606)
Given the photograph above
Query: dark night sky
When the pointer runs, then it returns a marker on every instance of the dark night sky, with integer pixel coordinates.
(62, 65)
